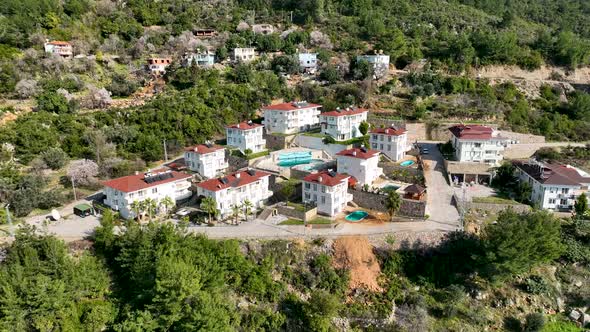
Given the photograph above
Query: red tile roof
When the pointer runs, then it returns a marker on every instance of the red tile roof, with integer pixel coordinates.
(244, 125)
(358, 153)
(137, 182)
(391, 131)
(326, 178)
(472, 131)
(235, 180)
(554, 174)
(292, 106)
(343, 112)
(59, 43)
(203, 148)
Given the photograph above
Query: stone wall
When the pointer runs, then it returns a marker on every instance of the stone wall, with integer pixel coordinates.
(236, 163)
(490, 207)
(291, 212)
(372, 201)
(276, 142)
(495, 208)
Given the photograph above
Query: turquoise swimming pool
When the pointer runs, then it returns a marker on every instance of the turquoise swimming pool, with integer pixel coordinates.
(390, 187)
(407, 163)
(356, 216)
(290, 159)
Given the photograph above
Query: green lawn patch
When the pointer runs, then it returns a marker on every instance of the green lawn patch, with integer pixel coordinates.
(296, 206)
(316, 221)
(494, 200)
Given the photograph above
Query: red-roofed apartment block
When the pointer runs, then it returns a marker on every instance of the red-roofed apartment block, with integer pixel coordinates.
(477, 143)
(61, 48)
(360, 163)
(554, 186)
(206, 159)
(343, 124)
(391, 141)
(328, 190)
(291, 118)
(157, 184)
(234, 189)
(246, 136)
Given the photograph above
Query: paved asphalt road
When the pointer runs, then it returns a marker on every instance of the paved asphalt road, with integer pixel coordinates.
(438, 190)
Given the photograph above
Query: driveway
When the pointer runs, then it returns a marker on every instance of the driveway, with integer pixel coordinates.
(440, 194)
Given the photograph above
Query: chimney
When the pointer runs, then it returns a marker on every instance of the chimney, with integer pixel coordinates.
(320, 179)
(238, 175)
(354, 152)
(136, 173)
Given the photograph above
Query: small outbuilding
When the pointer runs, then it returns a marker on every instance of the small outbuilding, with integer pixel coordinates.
(415, 192)
(83, 210)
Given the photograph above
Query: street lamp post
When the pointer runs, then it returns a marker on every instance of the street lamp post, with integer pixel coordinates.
(9, 220)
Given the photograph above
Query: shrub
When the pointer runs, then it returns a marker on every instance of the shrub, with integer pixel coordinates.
(534, 322)
(55, 158)
(535, 285)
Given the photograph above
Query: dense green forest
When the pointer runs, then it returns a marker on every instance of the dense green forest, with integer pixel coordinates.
(159, 277)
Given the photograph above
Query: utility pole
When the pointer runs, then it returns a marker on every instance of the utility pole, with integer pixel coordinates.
(291, 16)
(74, 189)
(165, 151)
(462, 210)
(9, 221)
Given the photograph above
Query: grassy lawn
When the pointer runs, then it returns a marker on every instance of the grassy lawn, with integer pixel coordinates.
(296, 206)
(560, 324)
(494, 200)
(316, 221)
(314, 134)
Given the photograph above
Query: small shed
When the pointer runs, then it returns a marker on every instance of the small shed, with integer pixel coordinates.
(414, 191)
(83, 210)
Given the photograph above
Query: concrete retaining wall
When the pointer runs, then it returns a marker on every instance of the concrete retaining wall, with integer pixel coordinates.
(317, 143)
(372, 201)
(291, 212)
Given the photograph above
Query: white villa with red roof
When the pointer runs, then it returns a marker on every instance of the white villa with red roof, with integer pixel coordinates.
(392, 142)
(360, 163)
(343, 124)
(554, 186)
(328, 190)
(61, 48)
(206, 159)
(291, 118)
(477, 143)
(246, 136)
(236, 188)
(157, 184)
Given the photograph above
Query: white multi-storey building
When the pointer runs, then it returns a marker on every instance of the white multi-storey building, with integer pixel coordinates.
(157, 184)
(360, 163)
(554, 186)
(235, 189)
(392, 142)
(343, 124)
(291, 118)
(246, 136)
(328, 190)
(244, 54)
(379, 62)
(308, 62)
(206, 159)
(61, 48)
(477, 143)
(200, 59)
